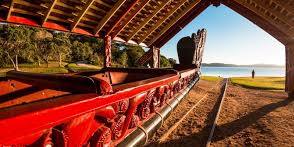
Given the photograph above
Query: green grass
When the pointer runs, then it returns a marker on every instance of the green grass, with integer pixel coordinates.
(210, 78)
(265, 83)
(75, 67)
(53, 68)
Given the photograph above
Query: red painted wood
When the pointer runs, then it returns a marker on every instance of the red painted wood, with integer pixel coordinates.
(82, 31)
(22, 20)
(46, 114)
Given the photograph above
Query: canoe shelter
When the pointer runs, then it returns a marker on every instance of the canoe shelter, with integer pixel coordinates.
(148, 23)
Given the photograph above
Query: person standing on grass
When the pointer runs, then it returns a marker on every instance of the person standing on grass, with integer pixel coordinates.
(253, 74)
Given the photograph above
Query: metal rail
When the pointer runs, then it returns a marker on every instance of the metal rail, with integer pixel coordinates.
(223, 94)
(140, 136)
(175, 126)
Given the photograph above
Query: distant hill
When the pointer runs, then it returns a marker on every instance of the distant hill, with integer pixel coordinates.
(235, 65)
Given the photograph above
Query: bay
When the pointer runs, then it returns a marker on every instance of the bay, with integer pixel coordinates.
(243, 71)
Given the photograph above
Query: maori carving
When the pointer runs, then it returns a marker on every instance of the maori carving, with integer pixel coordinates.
(121, 107)
(190, 49)
(101, 138)
(107, 51)
(117, 126)
(107, 124)
(134, 122)
(144, 108)
(156, 57)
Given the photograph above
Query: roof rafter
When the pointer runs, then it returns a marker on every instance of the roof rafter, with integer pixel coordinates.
(10, 9)
(257, 19)
(25, 3)
(274, 12)
(161, 21)
(284, 5)
(170, 24)
(146, 21)
(81, 15)
(65, 5)
(139, 8)
(106, 18)
(122, 17)
(47, 14)
(188, 17)
(262, 15)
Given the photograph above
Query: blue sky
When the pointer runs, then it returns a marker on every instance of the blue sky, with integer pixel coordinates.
(231, 38)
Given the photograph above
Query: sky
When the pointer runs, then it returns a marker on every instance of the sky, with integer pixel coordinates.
(231, 39)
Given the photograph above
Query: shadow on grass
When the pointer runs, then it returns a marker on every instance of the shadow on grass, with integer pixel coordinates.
(229, 129)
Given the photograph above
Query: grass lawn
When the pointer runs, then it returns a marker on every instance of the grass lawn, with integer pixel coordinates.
(210, 78)
(53, 68)
(75, 67)
(266, 83)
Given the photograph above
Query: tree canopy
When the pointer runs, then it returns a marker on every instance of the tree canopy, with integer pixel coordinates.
(19, 44)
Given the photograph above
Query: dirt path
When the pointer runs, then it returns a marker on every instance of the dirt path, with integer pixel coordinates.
(248, 118)
(255, 118)
(194, 121)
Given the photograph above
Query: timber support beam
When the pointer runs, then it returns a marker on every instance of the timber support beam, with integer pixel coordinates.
(289, 85)
(107, 51)
(156, 57)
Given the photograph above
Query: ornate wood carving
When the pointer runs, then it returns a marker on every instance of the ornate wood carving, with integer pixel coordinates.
(107, 51)
(156, 57)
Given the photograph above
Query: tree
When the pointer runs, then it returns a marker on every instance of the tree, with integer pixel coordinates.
(134, 53)
(2, 55)
(61, 46)
(15, 40)
(40, 46)
(164, 62)
(172, 61)
(81, 52)
(45, 49)
(123, 58)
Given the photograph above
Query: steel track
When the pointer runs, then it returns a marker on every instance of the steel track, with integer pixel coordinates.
(175, 126)
(223, 94)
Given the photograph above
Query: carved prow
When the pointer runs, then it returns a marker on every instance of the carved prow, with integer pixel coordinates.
(190, 49)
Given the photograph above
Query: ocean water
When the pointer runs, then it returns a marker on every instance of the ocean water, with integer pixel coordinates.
(243, 71)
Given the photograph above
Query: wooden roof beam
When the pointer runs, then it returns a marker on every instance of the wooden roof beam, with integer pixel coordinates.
(61, 12)
(146, 21)
(65, 5)
(170, 24)
(262, 22)
(10, 10)
(132, 16)
(47, 14)
(188, 17)
(122, 17)
(81, 15)
(104, 4)
(274, 12)
(98, 9)
(106, 18)
(267, 18)
(162, 20)
(25, 3)
(22, 11)
(284, 4)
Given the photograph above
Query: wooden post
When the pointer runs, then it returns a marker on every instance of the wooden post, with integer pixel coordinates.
(156, 57)
(107, 51)
(289, 87)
